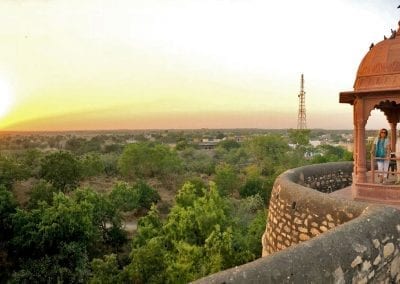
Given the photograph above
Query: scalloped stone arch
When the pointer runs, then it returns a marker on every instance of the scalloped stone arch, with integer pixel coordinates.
(377, 103)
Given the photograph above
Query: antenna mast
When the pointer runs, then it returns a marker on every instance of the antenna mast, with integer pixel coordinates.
(301, 118)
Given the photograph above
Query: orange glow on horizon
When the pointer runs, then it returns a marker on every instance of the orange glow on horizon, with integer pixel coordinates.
(156, 64)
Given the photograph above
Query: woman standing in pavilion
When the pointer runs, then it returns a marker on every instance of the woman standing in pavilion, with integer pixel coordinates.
(381, 151)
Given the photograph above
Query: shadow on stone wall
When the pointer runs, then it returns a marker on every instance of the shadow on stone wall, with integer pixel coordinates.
(315, 237)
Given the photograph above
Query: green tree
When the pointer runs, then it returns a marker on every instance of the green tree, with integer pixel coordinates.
(8, 207)
(110, 162)
(149, 262)
(198, 161)
(128, 198)
(256, 185)
(54, 243)
(255, 230)
(93, 145)
(124, 197)
(270, 153)
(137, 160)
(204, 233)
(229, 144)
(145, 160)
(30, 159)
(250, 219)
(188, 194)
(149, 250)
(146, 194)
(149, 226)
(238, 158)
(329, 153)
(226, 179)
(113, 148)
(41, 192)
(106, 218)
(11, 171)
(181, 145)
(219, 249)
(51, 242)
(107, 271)
(175, 252)
(62, 170)
(299, 137)
(92, 165)
(75, 145)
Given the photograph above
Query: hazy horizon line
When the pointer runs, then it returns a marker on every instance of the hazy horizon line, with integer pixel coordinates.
(168, 129)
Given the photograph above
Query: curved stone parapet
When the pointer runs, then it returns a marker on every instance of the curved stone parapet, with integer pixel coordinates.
(327, 238)
(299, 209)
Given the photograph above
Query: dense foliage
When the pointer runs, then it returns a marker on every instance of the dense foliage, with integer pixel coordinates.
(62, 170)
(55, 242)
(148, 160)
(202, 234)
(129, 198)
(66, 203)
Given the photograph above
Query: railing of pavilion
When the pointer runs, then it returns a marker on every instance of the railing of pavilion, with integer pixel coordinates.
(392, 159)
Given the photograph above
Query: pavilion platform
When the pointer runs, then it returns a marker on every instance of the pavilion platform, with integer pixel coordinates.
(387, 193)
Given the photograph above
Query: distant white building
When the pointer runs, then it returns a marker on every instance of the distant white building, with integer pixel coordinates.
(315, 143)
(131, 141)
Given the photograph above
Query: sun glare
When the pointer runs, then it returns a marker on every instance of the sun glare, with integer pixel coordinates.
(5, 99)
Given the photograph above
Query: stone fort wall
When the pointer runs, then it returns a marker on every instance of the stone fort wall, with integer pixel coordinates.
(296, 214)
(315, 237)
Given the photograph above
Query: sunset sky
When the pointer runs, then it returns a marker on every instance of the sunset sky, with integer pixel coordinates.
(130, 64)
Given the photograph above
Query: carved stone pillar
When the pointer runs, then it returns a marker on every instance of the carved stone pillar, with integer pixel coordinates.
(360, 161)
(393, 130)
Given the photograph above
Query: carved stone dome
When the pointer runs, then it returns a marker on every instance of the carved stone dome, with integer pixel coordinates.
(380, 68)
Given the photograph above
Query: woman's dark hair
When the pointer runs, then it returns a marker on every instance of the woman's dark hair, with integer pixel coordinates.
(384, 130)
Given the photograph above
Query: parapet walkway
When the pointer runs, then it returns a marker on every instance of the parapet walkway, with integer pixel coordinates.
(345, 193)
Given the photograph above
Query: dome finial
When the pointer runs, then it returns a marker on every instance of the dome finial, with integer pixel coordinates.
(398, 29)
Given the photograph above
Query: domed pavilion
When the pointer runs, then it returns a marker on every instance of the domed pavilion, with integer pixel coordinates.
(377, 86)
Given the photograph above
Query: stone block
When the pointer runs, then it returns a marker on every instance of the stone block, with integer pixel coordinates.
(339, 276)
(395, 267)
(315, 232)
(388, 250)
(359, 248)
(376, 243)
(377, 260)
(366, 266)
(356, 261)
(298, 221)
(323, 228)
(303, 230)
(371, 274)
(304, 237)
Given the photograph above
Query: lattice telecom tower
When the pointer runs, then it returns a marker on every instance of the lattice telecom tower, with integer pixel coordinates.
(301, 117)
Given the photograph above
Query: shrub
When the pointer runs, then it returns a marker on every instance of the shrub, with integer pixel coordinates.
(128, 198)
